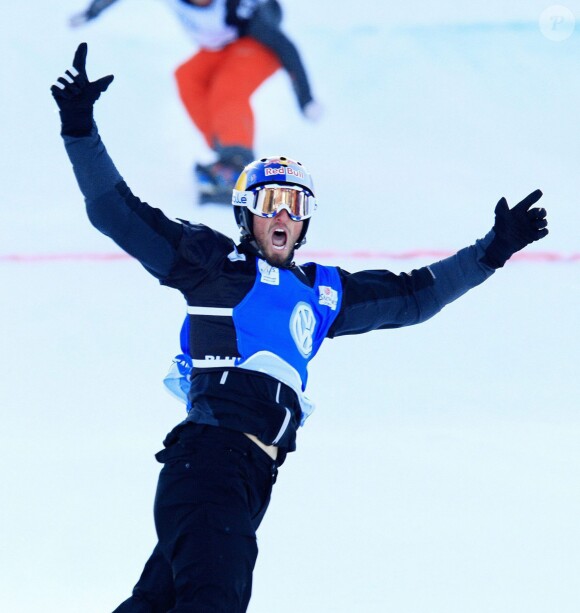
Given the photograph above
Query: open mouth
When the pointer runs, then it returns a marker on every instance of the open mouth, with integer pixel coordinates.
(279, 239)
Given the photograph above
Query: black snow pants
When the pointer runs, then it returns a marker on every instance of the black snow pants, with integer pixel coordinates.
(212, 494)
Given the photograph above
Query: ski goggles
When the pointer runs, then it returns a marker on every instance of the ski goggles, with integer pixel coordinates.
(269, 200)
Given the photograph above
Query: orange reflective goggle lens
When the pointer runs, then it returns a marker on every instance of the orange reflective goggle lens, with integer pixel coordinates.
(269, 200)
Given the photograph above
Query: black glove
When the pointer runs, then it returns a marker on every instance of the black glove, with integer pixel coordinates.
(515, 228)
(76, 95)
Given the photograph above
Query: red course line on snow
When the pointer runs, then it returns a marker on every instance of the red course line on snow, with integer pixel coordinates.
(33, 258)
(549, 257)
(543, 256)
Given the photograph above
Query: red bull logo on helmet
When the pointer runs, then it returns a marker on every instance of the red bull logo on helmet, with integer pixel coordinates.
(287, 171)
(274, 170)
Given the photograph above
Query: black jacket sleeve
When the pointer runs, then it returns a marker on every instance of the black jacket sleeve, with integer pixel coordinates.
(139, 229)
(264, 27)
(379, 299)
(96, 7)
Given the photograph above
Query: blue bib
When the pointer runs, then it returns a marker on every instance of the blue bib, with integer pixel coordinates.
(279, 327)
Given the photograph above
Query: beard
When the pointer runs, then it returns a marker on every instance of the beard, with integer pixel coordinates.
(282, 261)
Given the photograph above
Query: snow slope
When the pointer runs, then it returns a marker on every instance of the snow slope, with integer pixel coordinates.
(439, 472)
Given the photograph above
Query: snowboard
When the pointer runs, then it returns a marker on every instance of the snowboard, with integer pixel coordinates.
(213, 187)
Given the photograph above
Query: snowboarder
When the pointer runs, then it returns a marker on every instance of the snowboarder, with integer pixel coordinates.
(254, 321)
(240, 46)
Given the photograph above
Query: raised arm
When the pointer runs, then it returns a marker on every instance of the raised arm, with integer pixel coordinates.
(264, 26)
(94, 9)
(139, 229)
(376, 299)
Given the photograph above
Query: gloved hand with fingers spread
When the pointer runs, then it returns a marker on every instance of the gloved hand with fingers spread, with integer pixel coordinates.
(76, 95)
(515, 228)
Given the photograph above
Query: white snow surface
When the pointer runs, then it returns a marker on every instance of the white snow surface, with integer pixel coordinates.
(440, 471)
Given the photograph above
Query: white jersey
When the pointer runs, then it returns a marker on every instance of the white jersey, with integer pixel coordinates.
(207, 25)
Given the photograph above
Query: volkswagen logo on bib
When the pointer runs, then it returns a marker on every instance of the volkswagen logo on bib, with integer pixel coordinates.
(302, 322)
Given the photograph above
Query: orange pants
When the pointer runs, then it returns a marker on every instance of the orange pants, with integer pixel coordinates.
(215, 87)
